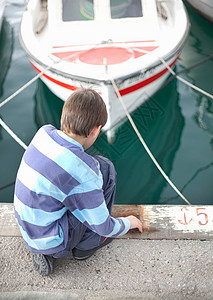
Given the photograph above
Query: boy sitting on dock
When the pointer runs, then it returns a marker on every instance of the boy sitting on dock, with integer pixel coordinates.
(63, 196)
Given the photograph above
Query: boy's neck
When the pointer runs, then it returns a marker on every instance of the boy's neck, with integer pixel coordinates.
(86, 142)
(78, 138)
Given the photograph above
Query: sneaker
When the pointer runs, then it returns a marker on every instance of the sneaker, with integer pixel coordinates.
(43, 263)
(84, 254)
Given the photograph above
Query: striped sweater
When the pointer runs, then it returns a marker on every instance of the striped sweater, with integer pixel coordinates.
(56, 175)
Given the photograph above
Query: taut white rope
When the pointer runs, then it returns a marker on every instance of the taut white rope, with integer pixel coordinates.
(25, 86)
(14, 136)
(143, 142)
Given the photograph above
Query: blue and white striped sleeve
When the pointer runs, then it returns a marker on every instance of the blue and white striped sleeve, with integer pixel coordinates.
(91, 210)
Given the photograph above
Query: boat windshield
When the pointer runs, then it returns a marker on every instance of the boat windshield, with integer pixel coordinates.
(125, 9)
(77, 10)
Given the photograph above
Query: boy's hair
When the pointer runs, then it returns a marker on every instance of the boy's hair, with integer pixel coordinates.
(82, 111)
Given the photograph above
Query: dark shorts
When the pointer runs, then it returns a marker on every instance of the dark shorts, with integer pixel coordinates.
(81, 236)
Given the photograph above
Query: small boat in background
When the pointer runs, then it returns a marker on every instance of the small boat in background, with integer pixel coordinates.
(203, 7)
(2, 7)
(87, 43)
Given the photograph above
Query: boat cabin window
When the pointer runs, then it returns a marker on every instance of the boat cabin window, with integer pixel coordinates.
(77, 10)
(125, 9)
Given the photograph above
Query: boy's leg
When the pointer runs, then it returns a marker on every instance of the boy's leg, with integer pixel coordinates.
(80, 237)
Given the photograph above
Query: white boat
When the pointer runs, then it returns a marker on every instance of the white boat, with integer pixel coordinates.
(93, 41)
(2, 7)
(203, 7)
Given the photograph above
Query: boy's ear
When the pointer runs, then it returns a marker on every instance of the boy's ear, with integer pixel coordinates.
(95, 131)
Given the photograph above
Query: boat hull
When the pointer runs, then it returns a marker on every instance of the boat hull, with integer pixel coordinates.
(135, 89)
(203, 7)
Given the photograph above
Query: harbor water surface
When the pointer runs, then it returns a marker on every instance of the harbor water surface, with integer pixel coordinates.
(176, 123)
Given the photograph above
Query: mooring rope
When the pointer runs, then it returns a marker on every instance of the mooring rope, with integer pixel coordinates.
(25, 85)
(13, 135)
(174, 74)
(143, 142)
(7, 185)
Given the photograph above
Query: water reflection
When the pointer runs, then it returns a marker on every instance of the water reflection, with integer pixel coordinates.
(198, 47)
(161, 123)
(204, 115)
(191, 180)
(6, 50)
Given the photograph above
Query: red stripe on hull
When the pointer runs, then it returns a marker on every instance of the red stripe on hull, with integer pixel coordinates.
(142, 84)
(65, 85)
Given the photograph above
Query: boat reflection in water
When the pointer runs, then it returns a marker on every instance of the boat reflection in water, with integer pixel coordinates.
(6, 50)
(204, 116)
(160, 122)
(199, 47)
(203, 7)
(2, 7)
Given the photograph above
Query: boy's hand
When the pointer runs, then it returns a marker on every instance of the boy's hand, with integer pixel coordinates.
(135, 223)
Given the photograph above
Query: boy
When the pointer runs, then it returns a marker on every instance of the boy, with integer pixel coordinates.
(63, 196)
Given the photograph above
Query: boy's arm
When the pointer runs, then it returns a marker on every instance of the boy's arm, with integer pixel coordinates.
(91, 210)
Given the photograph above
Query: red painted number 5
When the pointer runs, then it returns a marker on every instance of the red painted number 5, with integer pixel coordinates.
(204, 216)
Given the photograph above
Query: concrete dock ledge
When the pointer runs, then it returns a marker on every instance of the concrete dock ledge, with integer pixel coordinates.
(166, 262)
(159, 221)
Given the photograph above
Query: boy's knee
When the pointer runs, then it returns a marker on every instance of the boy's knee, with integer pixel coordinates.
(108, 172)
(106, 166)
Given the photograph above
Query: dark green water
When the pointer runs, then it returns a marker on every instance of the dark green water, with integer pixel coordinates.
(177, 123)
